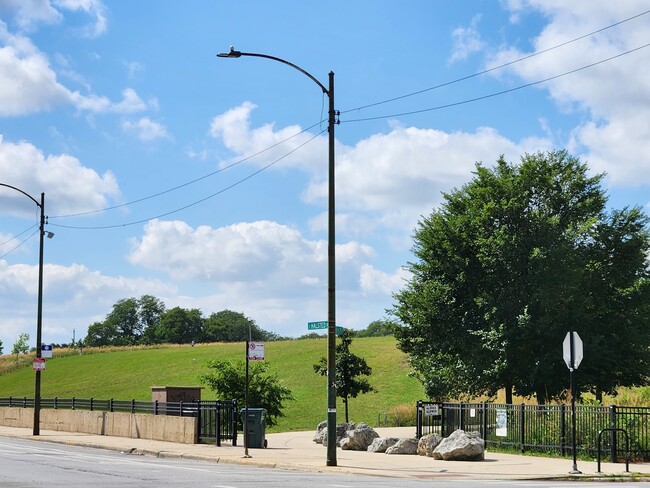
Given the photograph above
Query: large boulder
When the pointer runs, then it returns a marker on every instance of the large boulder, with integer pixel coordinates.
(461, 446)
(341, 429)
(380, 444)
(427, 444)
(404, 446)
(358, 439)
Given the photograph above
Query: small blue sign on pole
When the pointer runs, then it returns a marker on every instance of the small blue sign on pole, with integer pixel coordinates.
(46, 350)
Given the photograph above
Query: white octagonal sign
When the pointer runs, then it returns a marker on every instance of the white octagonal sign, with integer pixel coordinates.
(577, 350)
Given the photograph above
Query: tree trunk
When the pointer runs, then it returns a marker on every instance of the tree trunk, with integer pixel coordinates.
(509, 394)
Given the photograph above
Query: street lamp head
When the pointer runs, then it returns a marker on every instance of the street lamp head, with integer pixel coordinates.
(231, 54)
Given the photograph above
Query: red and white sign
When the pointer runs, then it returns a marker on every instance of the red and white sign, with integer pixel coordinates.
(39, 364)
(256, 351)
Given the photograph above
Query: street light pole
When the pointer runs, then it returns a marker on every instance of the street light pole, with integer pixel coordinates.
(331, 259)
(39, 313)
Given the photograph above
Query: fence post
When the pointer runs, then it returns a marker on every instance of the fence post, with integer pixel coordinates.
(484, 423)
(234, 424)
(73, 398)
(133, 405)
(91, 404)
(155, 407)
(522, 427)
(418, 420)
(110, 405)
(612, 425)
(461, 412)
(56, 402)
(562, 429)
(217, 424)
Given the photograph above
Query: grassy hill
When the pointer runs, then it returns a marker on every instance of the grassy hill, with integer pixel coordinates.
(127, 373)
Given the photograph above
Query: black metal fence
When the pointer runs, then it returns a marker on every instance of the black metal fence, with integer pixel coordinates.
(217, 419)
(542, 428)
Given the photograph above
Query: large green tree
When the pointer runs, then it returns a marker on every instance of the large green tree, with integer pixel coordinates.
(351, 372)
(131, 321)
(179, 326)
(507, 265)
(229, 326)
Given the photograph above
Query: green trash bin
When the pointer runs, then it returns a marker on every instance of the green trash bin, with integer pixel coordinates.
(256, 427)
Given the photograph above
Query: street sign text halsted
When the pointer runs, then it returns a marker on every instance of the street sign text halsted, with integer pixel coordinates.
(316, 325)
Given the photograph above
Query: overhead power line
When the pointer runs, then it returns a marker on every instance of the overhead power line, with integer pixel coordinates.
(188, 183)
(196, 202)
(496, 94)
(20, 243)
(489, 70)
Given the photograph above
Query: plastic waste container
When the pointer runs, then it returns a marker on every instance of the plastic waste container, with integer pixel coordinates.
(256, 427)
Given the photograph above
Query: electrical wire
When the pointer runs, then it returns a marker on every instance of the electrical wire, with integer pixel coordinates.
(179, 209)
(188, 183)
(464, 78)
(18, 235)
(495, 94)
(20, 243)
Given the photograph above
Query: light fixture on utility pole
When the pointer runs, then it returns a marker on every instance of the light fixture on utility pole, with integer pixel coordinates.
(331, 243)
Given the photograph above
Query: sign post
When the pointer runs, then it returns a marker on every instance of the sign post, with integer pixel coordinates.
(572, 352)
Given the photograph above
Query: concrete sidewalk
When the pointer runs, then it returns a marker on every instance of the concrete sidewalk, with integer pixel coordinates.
(297, 451)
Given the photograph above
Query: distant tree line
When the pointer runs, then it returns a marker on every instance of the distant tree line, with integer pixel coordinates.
(146, 321)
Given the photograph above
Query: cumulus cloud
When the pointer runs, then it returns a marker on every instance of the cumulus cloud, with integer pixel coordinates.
(73, 297)
(69, 186)
(146, 129)
(466, 41)
(29, 84)
(375, 281)
(610, 96)
(30, 14)
(234, 129)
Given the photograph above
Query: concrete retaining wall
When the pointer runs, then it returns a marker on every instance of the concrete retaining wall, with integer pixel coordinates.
(136, 426)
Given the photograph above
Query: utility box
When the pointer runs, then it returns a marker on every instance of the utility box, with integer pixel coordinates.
(256, 427)
(176, 394)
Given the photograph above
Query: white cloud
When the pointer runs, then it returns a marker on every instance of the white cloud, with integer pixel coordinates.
(146, 129)
(234, 129)
(28, 14)
(69, 187)
(29, 84)
(73, 298)
(374, 281)
(611, 96)
(466, 41)
(94, 8)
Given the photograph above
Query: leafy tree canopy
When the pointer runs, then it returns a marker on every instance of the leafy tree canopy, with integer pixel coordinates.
(351, 372)
(21, 346)
(265, 390)
(508, 265)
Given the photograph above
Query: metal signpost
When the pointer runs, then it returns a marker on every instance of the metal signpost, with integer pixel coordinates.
(572, 352)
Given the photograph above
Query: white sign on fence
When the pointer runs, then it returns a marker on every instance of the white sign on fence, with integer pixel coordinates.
(431, 410)
(502, 422)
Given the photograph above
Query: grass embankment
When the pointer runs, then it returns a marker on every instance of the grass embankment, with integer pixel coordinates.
(129, 373)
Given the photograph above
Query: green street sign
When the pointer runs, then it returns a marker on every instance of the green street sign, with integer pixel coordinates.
(323, 325)
(317, 325)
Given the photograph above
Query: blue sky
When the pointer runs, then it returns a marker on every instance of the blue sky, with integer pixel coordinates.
(202, 181)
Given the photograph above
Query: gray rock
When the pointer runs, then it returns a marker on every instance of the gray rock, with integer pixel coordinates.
(358, 439)
(427, 444)
(341, 429)
(404, 446)
(461, 446)
(382, 443)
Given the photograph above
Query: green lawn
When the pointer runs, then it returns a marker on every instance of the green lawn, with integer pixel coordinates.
(130, 373)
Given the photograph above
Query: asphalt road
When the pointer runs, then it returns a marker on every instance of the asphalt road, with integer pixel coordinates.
(33, 464)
